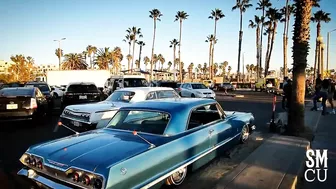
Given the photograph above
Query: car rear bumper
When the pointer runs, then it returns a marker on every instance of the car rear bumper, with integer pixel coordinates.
(41, 180)
(16, 116)
(82, 127)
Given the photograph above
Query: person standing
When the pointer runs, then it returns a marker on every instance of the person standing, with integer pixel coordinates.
(331, 93)
(288, 93)
(284, 96)
(323, 92)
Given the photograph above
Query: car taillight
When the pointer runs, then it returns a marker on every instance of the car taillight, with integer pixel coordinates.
(179, 89)
(33, 103)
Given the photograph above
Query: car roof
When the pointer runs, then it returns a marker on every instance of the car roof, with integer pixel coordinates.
(144, 89)
(18, 88)
(36, 82)
(81, 83)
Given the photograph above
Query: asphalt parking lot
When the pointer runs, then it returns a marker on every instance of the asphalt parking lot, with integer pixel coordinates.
(17, 137)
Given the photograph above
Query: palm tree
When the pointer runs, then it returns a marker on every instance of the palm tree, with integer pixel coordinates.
(286, 11)
(215, 69)
(262, 5)
(173, 44)
(137, 64)
(135, 33)
(169, 65)
(74, 61)
(176, 63)
(251, 70)
(274, 16)
(256, 24)
(180, 16)
(116, 57)
(22, 69)
(129, 57)
(204, 69)
(155, 60)
(216, 15)
(103, 58)
(155, 14)
(301, 35)
(146, 61)
(128, 39)
(247, 69)
(242, 5)
(141, 44)
(162, 60)
(229, 71)
(190, 69)
(199, 68)
(318, 17)
(211, 39)
(91, 51)
(59, 54)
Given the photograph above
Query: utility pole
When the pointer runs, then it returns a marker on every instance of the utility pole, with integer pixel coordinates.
(59, 52)
(328, 47)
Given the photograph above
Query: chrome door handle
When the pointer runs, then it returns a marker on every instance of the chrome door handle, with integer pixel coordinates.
(210, 131)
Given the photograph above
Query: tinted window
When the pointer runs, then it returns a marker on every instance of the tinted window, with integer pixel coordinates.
(121, 96)
(142, 121)
(167, 94)
(204, 115)
(151, 96)
(169, 84)
(82, 89)
(198, 86)
(16, 92)
(42, 87)
(135, 82)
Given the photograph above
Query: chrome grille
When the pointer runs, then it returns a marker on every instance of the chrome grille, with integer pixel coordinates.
(83, 116)
(206, 93)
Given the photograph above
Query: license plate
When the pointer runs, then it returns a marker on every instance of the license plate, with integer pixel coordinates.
(208, 96)
(83, 97)
(77, 124)
(12, 106)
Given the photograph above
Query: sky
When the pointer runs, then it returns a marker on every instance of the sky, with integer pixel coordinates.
(29, 27)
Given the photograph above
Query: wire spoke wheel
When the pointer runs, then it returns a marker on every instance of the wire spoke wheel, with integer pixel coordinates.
(244, 134)
(177, 178)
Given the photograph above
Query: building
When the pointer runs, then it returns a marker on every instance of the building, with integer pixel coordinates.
(4, 65)
(43, 69)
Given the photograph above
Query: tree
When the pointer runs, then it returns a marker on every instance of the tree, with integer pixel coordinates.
(22, 70)
(256, 24)
(128, 39)
(103, 58)
(180, 16)
(216, 15)
(59, 54)
(211, 39)
(155, 60)
(74, 61)
(318, 17)
(91, 51)
(135, 33)
(190, 69)
(286, 11)
(141, 44)
(116, 57)
(262, 5)
(301, 37)
(146, 61)
(162, 60)
(129, 57)
(155, 14)
(169, 65)
(242, 5)
(173, 44)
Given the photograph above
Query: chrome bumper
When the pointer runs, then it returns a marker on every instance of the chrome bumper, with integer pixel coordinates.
(40, 179)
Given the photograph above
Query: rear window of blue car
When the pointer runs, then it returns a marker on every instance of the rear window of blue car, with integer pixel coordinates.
(152, 122)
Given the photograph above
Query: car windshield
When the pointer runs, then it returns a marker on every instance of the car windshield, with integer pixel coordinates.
(153, 122)
(135, 82)
(82, 88)
(121, 96)
(198, 86)
(16, 92)
(42, 87)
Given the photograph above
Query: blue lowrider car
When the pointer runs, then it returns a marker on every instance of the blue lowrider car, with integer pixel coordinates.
(144, 145)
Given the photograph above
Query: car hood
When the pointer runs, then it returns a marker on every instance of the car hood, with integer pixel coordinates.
(204, 90)
(89, 150)
(95, 107)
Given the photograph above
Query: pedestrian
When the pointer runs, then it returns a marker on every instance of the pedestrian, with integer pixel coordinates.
(323, 93)
(331, 93)
(288, 93)
(284, 96)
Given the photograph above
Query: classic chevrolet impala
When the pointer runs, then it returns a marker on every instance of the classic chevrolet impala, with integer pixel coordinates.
(144, 145)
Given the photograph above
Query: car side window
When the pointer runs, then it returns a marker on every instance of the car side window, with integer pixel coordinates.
(189, 86)
(151, 96)
(115, 85)
(167, 94)
(203, 115)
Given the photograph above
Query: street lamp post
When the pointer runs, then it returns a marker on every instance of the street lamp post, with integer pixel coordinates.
(60, 51)
(328, 41)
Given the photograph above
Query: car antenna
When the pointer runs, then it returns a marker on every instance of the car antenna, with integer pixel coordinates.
(60, 124)
(151, 145)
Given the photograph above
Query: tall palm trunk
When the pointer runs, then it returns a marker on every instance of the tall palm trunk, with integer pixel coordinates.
(179, 52)
(269, 38)
(140, 51)
(258, 46)
(300, 53)
(151, 61)
(261, 43)
(240, 43)
(133, 55)
(129, 52)
(272, 43)
(212, 52)
(210, 58)
(174, 56)
(317, 47)
(285, 39)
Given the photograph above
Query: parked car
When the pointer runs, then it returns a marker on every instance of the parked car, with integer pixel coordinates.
(196, 90)
(226, 86)
(80, 93)
(145, 144)
(22, 103)
(124, 81)
(13, 84)
(46, 91)
(58, 91)
(84, 117)
(208, 83)
(171, 84)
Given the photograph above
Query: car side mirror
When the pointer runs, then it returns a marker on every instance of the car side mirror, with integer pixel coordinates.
(63, 89)
(52, 88)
